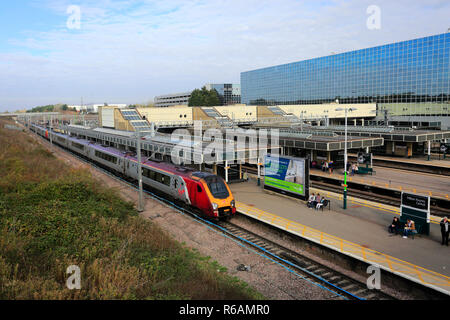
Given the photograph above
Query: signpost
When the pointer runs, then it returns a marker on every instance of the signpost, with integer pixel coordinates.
(364, 158)
(444, 149)
(287, 175)
(417, 208)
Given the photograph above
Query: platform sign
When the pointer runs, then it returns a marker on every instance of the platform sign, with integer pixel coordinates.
(417, 208)
(287, 175)
(364, 158)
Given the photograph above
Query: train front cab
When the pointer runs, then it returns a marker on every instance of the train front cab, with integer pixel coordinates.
(212, 196)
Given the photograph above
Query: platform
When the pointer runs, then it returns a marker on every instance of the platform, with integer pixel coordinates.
(432, 162)
(435, 186)
(360, 232)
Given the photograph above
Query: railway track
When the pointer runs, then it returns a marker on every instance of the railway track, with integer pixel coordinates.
(345, 288)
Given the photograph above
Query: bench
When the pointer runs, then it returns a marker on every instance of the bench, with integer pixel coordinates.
(362, 170)
(326, 203)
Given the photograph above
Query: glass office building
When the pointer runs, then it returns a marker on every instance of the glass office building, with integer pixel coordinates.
(228, 93)
(414, 71)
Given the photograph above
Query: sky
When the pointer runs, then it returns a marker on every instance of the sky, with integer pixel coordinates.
(129, 51)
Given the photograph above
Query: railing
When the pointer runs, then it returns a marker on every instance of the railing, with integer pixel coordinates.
(408, 270)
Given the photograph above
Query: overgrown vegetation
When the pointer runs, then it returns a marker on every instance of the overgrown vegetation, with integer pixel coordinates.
(52, 216)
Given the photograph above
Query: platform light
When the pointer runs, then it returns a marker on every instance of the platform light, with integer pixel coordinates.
(345, 152)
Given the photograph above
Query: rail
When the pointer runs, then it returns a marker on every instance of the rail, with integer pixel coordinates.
(405, 269)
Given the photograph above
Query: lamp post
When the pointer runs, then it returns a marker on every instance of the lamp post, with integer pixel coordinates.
(345, 109)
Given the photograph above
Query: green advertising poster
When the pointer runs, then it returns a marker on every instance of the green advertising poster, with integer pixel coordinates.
(287, 174)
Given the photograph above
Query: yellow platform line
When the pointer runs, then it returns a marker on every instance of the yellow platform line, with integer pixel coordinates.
(416, 273)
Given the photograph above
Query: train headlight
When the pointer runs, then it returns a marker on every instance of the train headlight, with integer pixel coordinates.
(215, 206)
(232, 203)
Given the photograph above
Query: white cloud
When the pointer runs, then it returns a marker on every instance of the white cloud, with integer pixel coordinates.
(133, 50)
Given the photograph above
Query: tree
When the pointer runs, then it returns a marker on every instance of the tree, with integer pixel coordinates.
(204, 97)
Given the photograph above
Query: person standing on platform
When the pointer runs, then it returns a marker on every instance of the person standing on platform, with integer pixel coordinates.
(326, 166)
(330, 166)
(445, 229)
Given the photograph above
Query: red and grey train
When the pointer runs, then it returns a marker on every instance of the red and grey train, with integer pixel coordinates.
(205, 193)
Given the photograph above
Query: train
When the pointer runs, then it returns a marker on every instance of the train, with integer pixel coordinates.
(204, 193)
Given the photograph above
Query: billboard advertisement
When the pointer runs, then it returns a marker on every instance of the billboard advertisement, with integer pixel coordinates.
(286, 175)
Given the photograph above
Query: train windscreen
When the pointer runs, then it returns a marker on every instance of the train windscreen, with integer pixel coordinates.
(217, 187)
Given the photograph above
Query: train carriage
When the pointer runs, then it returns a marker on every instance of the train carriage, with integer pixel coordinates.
(205, 193)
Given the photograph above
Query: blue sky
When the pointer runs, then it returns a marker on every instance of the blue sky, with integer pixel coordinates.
(128, 51)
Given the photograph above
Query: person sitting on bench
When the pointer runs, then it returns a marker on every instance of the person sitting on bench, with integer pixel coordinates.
(409, 228)
(320, 204)
(395, 226)
(312, 201)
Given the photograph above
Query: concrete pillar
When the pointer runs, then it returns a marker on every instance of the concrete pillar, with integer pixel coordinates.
(240, 170)
(429, 149)
(226, 171)
(354, 122)
(259, 171)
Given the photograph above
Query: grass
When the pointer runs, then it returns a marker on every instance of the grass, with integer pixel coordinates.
(52, 216)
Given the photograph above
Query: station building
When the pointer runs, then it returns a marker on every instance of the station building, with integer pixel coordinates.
(409, 81)
(229, 94)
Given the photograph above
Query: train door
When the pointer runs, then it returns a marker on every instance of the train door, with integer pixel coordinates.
(179, 189)
(199, 197)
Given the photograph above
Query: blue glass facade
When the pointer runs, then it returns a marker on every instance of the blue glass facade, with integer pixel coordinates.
(411, 71)
(228, 93)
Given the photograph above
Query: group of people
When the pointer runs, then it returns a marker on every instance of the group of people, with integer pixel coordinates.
(396, 227)
(327, 166)
(315, 201)
(353, 167)
(409, 227)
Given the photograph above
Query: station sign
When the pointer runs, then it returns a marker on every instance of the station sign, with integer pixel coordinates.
(287, 175)
(416, 201)
(417, 208)
(364, 158)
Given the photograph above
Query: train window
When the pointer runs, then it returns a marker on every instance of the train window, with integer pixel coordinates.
(217, 187)
(199, 189)
(105, 156)
(78, 145)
